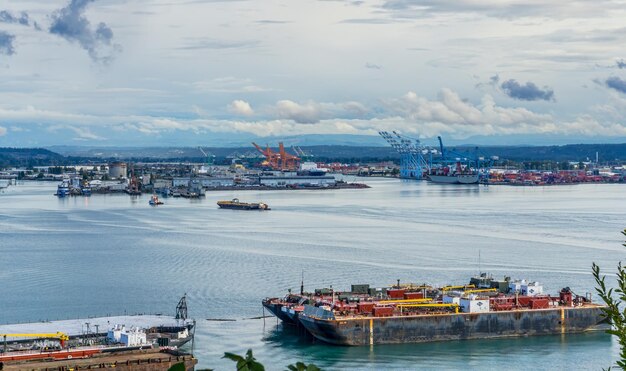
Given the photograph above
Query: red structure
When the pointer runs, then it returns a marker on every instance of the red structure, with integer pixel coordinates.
(280, 160)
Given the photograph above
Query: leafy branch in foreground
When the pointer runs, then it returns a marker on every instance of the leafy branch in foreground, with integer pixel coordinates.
(613, 298)
(249, 363)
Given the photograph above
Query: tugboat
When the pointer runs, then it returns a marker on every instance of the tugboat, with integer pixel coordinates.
(236, 204)
(154, 200)
(63, 189)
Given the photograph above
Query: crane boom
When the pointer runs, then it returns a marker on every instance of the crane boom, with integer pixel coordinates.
(443, 155)
(58, 335)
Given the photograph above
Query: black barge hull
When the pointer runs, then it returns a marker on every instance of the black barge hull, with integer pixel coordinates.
(281, 312)
(461, 326)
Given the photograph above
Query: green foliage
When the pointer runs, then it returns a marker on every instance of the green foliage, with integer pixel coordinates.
(249, 363)
(300, 366)
(613, 298)
(178, 367)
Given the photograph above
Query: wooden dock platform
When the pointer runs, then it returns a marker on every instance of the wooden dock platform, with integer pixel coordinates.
(138, 360)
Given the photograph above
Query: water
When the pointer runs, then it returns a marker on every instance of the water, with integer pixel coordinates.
(113, 254)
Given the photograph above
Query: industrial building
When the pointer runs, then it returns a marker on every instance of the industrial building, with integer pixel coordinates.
(118, 170)
(302, 181)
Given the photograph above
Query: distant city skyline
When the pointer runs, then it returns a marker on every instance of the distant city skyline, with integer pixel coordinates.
(162, 72)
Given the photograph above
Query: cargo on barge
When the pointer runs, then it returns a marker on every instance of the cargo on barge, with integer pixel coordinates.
(483, 309)
(238, 205)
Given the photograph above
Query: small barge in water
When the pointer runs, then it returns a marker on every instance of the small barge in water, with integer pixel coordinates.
(237, 205)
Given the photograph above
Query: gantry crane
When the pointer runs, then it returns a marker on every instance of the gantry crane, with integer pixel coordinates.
(210, 158)
(280, 160)
(413, 165)
(58, 335)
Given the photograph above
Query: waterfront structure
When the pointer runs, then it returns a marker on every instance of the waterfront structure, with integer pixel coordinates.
(118, 170)
(413, 165)
(217, 182)
(292, 181)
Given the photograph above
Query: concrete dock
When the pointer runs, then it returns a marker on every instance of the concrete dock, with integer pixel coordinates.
(139, 360)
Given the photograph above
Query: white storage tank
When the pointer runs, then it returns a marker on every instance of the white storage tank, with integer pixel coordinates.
(516, 285)
(115, 334)
(118, 170)
(449, 299)
(532, 289)
(134, 337)
(474, 304)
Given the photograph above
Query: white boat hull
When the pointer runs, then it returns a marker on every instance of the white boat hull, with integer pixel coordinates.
(454, 179)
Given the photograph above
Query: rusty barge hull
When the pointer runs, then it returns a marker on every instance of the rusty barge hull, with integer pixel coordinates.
(444, 327)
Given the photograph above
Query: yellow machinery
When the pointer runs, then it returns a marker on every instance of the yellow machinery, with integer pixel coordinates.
(59, 335)
(430, 305)
(480, 290)
(448, 288)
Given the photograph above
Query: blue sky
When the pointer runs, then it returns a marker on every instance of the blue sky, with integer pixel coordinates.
(107, 72)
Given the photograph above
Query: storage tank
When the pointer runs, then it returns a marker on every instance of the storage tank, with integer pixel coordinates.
(117, 170)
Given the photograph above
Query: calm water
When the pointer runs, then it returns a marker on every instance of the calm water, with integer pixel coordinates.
(110, 254)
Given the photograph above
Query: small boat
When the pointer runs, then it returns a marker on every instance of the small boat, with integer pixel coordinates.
(86, 190)
(63, 189)
(154, 200)
(236, 204)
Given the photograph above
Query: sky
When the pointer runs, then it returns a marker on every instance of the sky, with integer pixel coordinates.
(191, 72)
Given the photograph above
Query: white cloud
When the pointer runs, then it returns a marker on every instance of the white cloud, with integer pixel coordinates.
(312, 112)
(421, 46)
(240, 107)
(448, 115)
(308, 113)
(3, 131)
(452, 114)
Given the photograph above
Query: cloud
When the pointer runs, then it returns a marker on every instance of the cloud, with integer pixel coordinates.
(6, 17)
(6, 43)
(271, 21)
(240, 107)
(229, 85)
(82, 133)
(3, 131)
(308, 113)
(529, 91)
(616, 83)
(449, 114)
(509, 9)
(214, 44)
(312, 112)
(71, 24)
(620, 64)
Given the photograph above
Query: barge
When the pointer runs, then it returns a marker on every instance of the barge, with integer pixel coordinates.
(238, 205)
(84, 338)
(483, 309)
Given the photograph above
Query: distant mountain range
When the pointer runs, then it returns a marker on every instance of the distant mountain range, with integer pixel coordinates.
(570, 152)
(29, 157)
(67, 155)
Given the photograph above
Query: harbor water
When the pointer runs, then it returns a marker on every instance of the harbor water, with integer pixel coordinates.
(77, 257)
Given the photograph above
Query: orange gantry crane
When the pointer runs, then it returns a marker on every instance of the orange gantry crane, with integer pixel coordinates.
(280, 160)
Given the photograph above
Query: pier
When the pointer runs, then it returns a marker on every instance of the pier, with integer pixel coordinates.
(137, 360)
